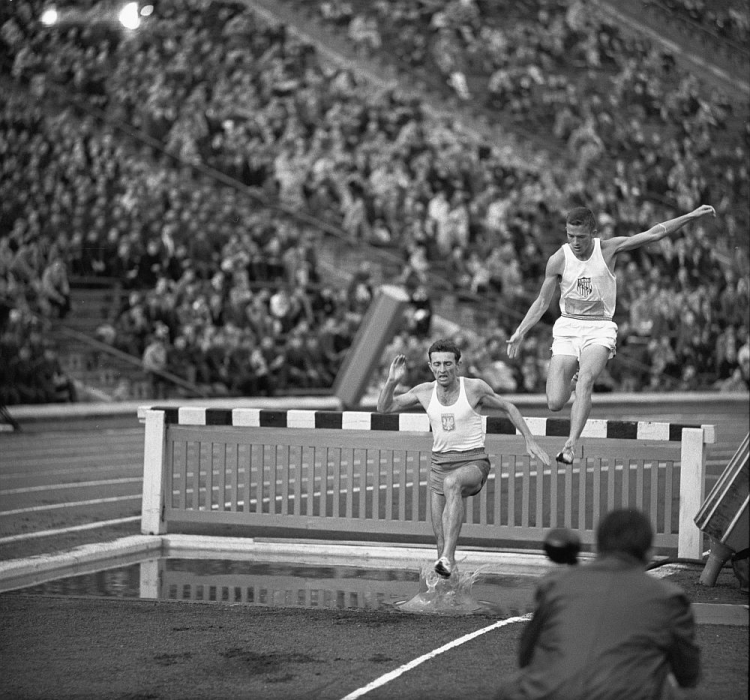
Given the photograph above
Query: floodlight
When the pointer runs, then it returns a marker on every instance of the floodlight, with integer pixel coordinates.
(49, 17)
(129, 16)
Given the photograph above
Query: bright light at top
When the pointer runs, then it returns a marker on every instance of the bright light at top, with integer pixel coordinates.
(129, 16)
(49, 17)
(147, 10)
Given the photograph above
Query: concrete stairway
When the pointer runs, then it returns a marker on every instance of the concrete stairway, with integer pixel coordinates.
(100, 375)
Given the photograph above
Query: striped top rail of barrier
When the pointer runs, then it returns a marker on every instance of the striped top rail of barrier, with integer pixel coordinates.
(416, 422)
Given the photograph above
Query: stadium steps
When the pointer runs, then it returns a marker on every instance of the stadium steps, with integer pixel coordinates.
(95, 301)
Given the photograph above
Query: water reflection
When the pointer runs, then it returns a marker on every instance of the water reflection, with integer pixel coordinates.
(412, 589)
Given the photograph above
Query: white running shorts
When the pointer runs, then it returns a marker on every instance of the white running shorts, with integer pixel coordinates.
(571, 336)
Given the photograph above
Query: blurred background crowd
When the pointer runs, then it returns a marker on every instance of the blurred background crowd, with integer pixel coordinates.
(212, 165)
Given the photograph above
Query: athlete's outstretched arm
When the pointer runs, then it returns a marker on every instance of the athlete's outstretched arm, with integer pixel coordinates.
(387, 402)
(555, 266)
(662, 230)
(489, 399)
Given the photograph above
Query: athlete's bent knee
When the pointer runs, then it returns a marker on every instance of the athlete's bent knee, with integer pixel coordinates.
(451, 485)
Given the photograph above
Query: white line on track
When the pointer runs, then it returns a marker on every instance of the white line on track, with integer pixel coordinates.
(388, 677)
(66, 530)
(72, 485)
(36, 465)
(72, 448)
(72, 470)
(75, 504)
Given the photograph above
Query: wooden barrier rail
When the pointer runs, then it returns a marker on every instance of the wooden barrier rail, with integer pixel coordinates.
(365, 474)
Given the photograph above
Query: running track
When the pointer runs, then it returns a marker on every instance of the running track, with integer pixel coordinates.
(85, 477)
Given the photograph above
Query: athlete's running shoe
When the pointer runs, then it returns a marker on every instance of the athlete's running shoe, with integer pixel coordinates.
(443, 567)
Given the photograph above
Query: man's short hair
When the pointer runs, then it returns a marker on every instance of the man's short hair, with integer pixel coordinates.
(582, 216)
(626, 531)
(444, 345)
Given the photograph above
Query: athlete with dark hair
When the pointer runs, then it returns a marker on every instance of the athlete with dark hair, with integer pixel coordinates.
(460, 464)
(585, 336)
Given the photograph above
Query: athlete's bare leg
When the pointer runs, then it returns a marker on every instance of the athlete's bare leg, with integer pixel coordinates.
(457, 486)
(593, 361)
(562, 369)
(437, 507)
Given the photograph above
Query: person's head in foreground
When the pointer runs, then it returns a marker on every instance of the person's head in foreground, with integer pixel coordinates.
(626, 532)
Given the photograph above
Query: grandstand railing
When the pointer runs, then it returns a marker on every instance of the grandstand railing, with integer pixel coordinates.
(709, 41)
(728, 58)
(103, 349)
(363, 475)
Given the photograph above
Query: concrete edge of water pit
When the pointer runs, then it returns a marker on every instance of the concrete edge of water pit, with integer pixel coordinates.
(20, 573)
(366, 555)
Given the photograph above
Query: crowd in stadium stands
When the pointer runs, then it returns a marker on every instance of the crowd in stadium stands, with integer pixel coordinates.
(30, 369)
(233, 307)
(228, 295)
(642, 131)
(615, 102)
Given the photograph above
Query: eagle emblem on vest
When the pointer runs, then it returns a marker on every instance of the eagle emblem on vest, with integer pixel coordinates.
(449, 421)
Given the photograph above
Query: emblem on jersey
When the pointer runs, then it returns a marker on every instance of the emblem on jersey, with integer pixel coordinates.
(449, 421)
(584, 286)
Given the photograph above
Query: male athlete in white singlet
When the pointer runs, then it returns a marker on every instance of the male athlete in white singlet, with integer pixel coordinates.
(460, 465)
(584, 336)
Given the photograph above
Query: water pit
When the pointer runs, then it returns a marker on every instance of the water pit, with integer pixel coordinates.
(416, 589)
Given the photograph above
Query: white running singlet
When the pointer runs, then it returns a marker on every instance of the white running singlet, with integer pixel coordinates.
(455, 428)
(588, 289)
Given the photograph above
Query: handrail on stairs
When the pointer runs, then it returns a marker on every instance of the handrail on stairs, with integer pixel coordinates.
(130, 359)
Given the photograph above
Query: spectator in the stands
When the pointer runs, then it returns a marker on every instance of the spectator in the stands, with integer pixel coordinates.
(55, 289)
(155, 361)
(59, 386)
(420, 312)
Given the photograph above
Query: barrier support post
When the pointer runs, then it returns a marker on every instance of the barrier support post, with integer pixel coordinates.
(151, 571)
(154, 475)
(692, 478)
(718, 555)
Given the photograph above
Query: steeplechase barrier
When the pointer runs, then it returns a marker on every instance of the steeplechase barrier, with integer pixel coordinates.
(364, 475)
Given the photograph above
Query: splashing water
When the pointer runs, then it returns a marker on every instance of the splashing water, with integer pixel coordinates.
(445, 596)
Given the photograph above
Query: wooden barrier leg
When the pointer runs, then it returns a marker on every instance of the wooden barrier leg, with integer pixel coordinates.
(692, 480)
(152, 508)
(717, 557)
